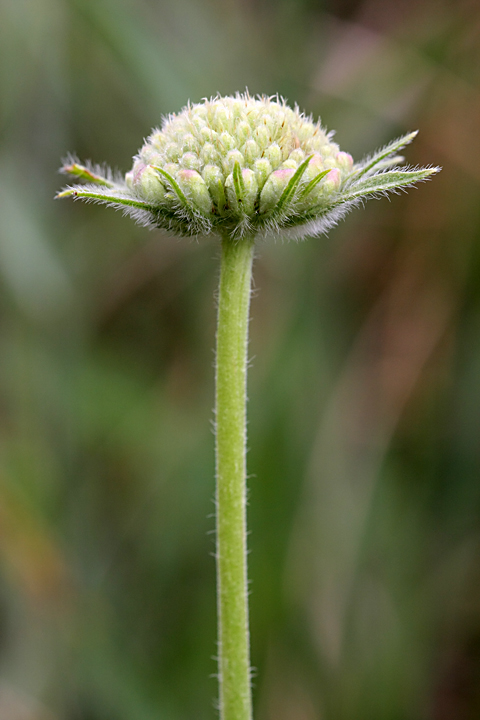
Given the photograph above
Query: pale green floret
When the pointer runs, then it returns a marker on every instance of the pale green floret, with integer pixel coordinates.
(195, 189)
(215, 182)
(234, 156)
(332, 182)
(243, 194)
(242, 165)
(262, 169)
(250, 191)
(225, 142)
(262, 136)
(209, 154)
(189, 144)
(315, 166)
(329, 163)
(172, 152)
(172, 169)
(297, 155)
(243, 131)
(251, 151)
(191, 161)
(273, 189)
(344, 161)
(292, 164)
(147, 184)
(273, 153)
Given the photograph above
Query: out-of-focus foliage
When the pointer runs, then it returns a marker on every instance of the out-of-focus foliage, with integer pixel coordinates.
(364, 408)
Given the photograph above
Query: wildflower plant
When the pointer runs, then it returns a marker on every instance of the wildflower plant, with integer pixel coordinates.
(240, 168)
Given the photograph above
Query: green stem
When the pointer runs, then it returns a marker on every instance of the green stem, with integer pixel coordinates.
(231, 551)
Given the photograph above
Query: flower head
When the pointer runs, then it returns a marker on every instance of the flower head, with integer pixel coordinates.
(244, 166)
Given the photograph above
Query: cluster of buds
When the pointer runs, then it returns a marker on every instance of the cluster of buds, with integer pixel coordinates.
(242, 166)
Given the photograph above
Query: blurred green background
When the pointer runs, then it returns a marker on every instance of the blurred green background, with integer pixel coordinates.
(364, 412)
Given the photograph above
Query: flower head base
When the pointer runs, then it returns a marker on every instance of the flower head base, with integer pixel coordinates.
(244, 166)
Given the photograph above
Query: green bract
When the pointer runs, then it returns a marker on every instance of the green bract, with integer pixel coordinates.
(239, 166)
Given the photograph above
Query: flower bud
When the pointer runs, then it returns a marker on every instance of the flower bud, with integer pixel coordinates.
(214, 180)
(273, 188)
(344, 161)
(223, 115)
(251, 151)
(326, 150)
(209, 155)
(234, 156)
(274, 154)
(191, 161)
(207, 134)
(222, 165)
(226, 142)
(262, 169)
(262, 136)
(332, 181)
(147, 183)
(199, 122)
(329, 163)
(195, 188)
(245, 201)
(306, 131)
(242, 131)
(314, 167)
(269, 123)
(172, 152)
(251, 191)
(297, 155)
(172, 168)
(189, 144)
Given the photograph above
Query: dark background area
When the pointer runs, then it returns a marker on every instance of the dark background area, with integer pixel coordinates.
(364, 411)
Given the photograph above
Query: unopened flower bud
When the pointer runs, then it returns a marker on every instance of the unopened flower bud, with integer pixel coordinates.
(262, 136)
(191, 161)
(195, 188)
(269, 123)
(223, 115)
(215, 181)
(251, 190)
(333, 180)
(315, 166)
(291, 164)
(208, 154)
(329, 163)
(248, 192)
(297, 155)
(172, 152)
(344, 161)
(242, 198)
(236, 165)
(273, 188)
(234, 156)
(242, 131)
(262, 170)
(226, 142)
(147, 183)
(189, 144)
(207, 134)
(274, 154)
(251, 151)
(172, 168)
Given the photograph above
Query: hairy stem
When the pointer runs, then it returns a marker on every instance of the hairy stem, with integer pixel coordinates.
(231, 550)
